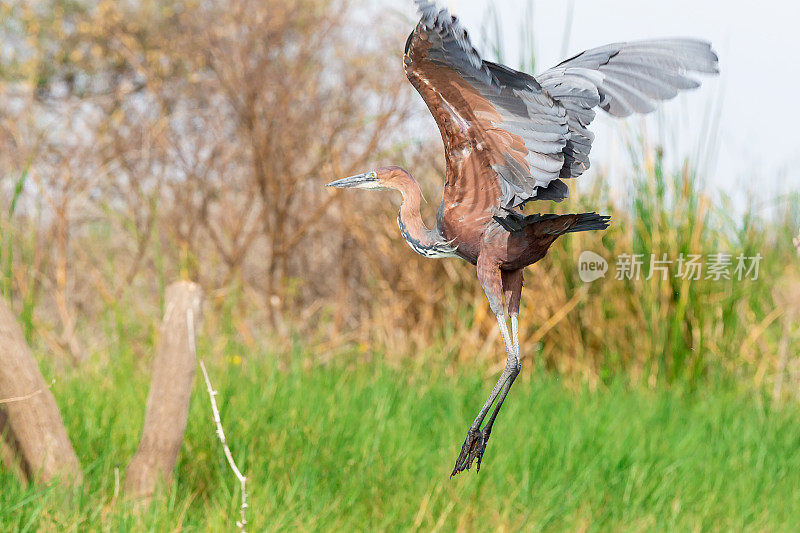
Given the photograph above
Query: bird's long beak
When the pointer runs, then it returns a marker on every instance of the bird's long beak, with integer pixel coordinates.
(362, 181)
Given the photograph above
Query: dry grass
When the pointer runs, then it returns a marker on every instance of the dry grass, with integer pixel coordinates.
(159, 140)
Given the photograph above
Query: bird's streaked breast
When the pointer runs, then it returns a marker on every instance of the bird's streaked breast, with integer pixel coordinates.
(433, 250)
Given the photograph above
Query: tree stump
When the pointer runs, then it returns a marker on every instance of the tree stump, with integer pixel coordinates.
(170, 390)
(32, 416)
(9, 450)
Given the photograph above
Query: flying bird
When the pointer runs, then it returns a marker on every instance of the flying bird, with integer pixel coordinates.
(510, 139)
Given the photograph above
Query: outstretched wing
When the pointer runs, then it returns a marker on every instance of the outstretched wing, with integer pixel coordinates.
(488, 111)
(621, 79)
(533, 131)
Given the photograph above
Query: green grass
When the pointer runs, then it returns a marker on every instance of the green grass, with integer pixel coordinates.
(362, 446)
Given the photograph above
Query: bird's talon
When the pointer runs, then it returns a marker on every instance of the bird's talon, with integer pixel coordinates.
(471, 451)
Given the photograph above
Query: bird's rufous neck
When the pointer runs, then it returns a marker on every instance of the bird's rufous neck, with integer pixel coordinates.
(422, 240)
(410, 214)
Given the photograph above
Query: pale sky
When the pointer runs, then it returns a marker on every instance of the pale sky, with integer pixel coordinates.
(759, 48)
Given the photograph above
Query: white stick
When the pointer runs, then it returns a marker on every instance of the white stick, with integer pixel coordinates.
(241, 524)
(797, 243)
(27, 396)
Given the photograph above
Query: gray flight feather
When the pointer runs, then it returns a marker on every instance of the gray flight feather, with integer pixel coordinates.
(622, 79)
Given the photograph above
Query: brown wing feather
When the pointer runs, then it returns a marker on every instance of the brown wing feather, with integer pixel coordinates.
(512, 132)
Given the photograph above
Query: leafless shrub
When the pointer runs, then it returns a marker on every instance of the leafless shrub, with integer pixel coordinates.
(197, 136)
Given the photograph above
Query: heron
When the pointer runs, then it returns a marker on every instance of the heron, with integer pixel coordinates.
(510, 139)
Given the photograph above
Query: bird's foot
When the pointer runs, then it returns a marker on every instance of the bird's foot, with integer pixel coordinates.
(472, 450)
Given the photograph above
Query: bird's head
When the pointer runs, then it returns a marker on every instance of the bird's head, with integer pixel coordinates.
(382, 179)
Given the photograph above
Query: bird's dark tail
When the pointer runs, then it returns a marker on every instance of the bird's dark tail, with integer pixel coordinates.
(553, 224)
(590, 222)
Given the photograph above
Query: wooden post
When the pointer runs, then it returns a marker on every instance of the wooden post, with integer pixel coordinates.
(171, 388)
(9, 450)
(32, 415)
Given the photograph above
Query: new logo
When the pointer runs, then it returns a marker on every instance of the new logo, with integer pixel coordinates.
(591, 267)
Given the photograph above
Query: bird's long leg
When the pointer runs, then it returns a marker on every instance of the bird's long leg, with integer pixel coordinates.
(475, 443)
(512, 286)
(507, 374)
(515, 332)
(487, 430)
(477, 438)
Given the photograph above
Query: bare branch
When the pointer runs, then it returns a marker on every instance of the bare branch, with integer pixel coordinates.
(241, 524)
